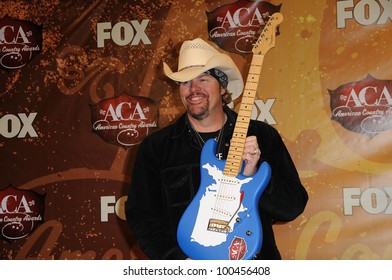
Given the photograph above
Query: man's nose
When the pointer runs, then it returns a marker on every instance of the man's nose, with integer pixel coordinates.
(195, 86)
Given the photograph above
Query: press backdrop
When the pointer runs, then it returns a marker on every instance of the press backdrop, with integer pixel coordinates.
(81, 84)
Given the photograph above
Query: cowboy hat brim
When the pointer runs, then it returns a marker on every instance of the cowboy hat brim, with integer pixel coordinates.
(221, 62)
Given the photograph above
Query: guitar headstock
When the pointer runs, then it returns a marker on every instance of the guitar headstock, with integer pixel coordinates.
(266, 40)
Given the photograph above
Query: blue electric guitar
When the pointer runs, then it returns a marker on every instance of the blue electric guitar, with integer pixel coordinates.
(222, 221)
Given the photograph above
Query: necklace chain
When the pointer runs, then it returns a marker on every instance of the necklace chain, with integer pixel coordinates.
(219, 138)
(216, 138)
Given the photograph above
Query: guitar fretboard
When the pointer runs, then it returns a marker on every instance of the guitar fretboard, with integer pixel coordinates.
(234, 158)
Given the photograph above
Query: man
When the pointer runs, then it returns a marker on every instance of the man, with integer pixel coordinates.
(166, 174)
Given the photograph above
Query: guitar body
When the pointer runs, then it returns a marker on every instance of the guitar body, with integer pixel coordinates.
(222, 221)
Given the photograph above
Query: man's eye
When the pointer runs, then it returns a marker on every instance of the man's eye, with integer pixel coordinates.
(187, 83)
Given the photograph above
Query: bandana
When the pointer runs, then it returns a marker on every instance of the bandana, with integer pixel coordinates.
(219, 75)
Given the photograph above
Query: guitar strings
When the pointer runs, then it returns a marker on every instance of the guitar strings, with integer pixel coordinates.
(227, 202)
(227, 198)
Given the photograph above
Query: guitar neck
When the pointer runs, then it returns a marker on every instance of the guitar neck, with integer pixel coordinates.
(234, 158)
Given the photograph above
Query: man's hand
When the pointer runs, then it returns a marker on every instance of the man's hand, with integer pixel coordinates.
(251, 155)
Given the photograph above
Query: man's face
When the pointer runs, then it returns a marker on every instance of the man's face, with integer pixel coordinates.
(201, 96)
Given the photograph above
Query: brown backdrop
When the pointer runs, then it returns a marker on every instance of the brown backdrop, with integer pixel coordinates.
(81, 84)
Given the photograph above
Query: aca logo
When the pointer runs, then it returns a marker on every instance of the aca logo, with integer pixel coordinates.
(235, 27)
(364, 106)
(21, 212)
(20, 42)
(124, 120)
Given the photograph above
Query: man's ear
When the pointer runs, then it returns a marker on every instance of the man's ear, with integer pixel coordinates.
(222, 90)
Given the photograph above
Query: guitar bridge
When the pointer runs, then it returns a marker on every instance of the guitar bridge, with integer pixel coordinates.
(218, 226)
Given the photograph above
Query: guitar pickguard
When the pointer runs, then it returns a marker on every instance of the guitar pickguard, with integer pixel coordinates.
(219, 208)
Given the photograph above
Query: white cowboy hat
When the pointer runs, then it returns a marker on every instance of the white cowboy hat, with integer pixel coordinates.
(196, 57)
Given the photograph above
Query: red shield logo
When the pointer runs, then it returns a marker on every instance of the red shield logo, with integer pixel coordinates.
(364, 106)
(124, 120)
(21, 211)
(237, 249)
(234, 27)
(20, 42)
